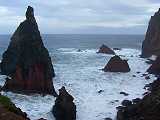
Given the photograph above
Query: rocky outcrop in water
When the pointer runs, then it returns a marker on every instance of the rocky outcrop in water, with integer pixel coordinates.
(116, 64)
(151, 44)
(27, 61)
(64, 108)
(147, 108)
(155, 67)
(8, 111)
(106, 50)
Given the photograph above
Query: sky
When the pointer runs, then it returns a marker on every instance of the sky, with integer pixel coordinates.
(80, 16)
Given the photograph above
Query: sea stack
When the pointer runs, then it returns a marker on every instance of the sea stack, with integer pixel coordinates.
(116, 64)
(151, 44)
(26, 60)
(64, 108)
(106, 50)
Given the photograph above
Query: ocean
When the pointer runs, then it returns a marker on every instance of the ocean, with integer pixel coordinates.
(84, 41)
(80, 72)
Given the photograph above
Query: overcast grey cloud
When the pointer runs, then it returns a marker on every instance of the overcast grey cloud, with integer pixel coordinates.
(80, 16)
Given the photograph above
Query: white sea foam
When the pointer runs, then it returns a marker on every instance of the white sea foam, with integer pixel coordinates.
(80, 73)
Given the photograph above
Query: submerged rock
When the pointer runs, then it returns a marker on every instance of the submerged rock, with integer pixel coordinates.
(124, 93)
(147, 77)
(100, 91)
(126, 103)
(155, 67)
(147, 108)
(8, 111)
(27, 61)
(116, 64)
(105, 49)
(107, 119)
(79, 50)
(117, 48)
(151, 44)
(64, 108)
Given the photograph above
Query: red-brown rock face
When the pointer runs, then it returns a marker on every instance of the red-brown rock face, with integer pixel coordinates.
(116, 64)
(106, 50)
(27, 61)
(151, 44)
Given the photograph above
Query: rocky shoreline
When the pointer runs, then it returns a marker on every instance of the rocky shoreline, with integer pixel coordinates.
(29, 68)
(146, 108)
(8, 111)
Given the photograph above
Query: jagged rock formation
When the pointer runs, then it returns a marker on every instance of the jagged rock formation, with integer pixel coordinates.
(147, 108)
(64, 108)
(116, 64)
(8, 111)
(151, 44)
(27, 61)
(106, 50)
(155, 67)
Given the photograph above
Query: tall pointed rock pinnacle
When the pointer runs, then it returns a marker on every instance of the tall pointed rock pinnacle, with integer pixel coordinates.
(26, 60)
(151, 44)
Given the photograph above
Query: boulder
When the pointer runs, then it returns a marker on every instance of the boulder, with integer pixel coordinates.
(155, 67)
(107, 119)
(147, 108)
(64, 108)
(106, 50)
(126, 103)
(26, 60)
(124, 93)
(151, 44)
(116, 64)
(117, 48)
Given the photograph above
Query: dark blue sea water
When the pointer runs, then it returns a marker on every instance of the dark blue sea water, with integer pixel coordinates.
(80, 41)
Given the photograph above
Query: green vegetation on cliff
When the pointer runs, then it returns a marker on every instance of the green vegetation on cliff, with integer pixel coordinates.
(6, 102)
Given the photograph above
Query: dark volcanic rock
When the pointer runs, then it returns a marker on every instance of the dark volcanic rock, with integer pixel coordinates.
(107, 119)
(147, 108)
(149, 61)
(126, 103)
(151, 44)
(133, 75)
(64, 108)
(8, 111)
(116, 64)
(147, 77)
(105, 49)
(155, 67)
(155, 86)
(124, 93)
(117, 49)
(27, 61)
(100, 91)
(135, 101)
(42, 119)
